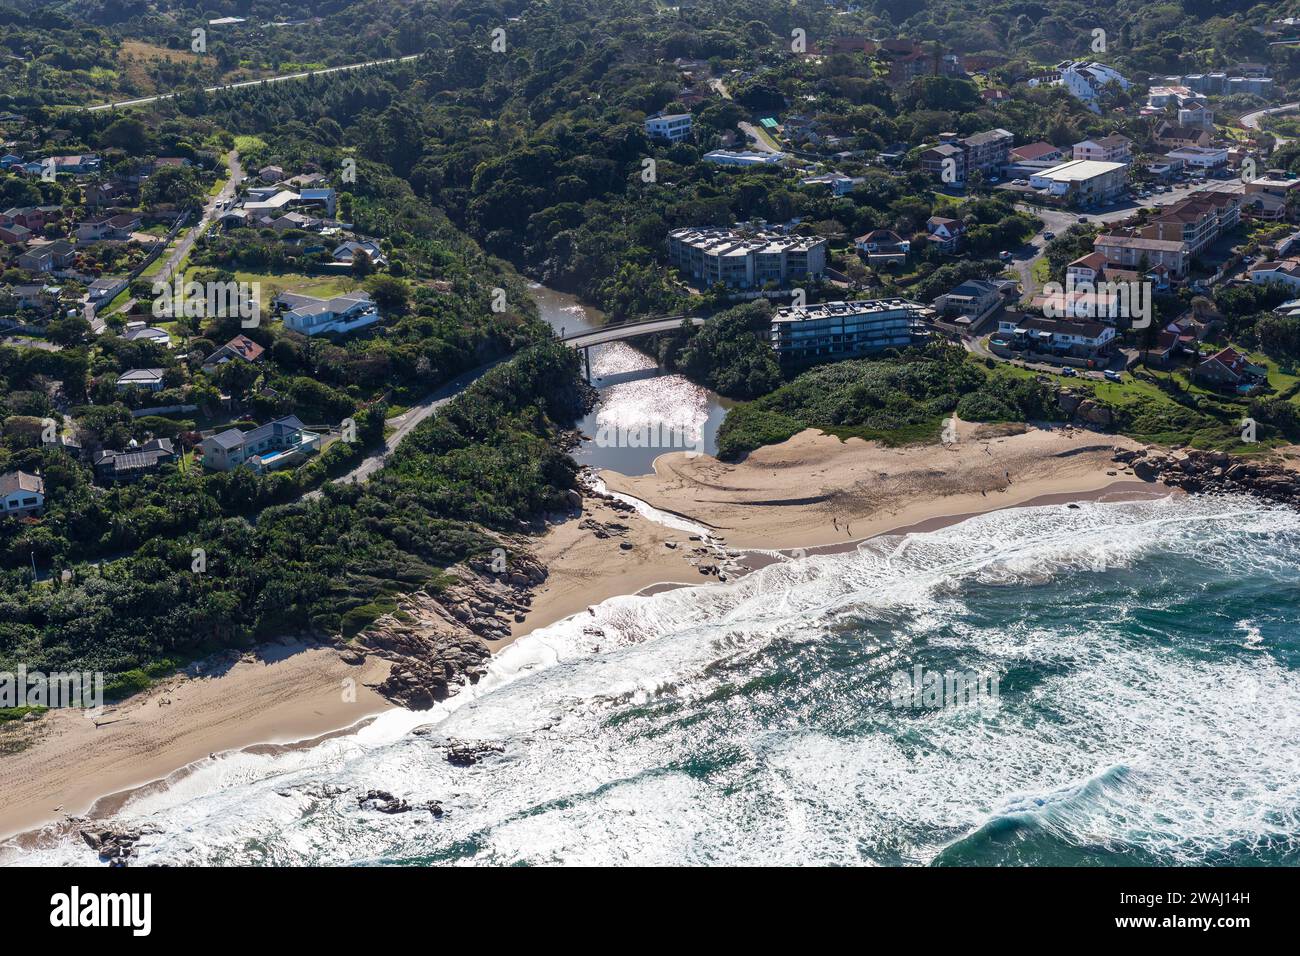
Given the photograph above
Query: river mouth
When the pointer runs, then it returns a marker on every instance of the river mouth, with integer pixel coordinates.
(643, 412)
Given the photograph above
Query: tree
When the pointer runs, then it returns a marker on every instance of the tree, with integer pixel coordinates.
(389, 293)
(361, 264)
(179, 185)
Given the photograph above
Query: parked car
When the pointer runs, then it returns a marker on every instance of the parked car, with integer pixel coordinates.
(1049, 236)
(1004, 256)
(1112, 375)
(1083, 219)
(1068, 372)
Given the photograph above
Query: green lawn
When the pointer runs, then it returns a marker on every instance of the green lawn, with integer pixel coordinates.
(1162, 420)
(275, 283)
(156, 266)
(765, 137)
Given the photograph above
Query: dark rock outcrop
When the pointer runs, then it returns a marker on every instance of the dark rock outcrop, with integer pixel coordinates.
(385, 802)
(114, 843)
(429, 663)
(1215, 472)
(466, 753)
(436, 641)
(1081, 409)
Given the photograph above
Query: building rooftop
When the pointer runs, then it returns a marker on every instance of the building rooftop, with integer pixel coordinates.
(21, 481)
(1078, 170)
(724, 241)
(986, 137)
(827, 310)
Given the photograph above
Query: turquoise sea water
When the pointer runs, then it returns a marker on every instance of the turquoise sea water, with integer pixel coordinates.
(1147, 711)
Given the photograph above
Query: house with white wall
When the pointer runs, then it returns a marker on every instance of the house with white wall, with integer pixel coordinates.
(21, 494)
(312, 316)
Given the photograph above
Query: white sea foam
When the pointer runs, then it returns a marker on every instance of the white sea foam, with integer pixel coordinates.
(709, 725)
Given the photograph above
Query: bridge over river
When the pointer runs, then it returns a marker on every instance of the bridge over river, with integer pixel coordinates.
(626, 330)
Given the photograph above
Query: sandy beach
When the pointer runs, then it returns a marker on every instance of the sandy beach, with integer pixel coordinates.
(811, 492)
(816, 490)
(65, 761)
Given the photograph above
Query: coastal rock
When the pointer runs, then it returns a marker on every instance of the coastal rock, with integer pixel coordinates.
(385, 802)
(1068, 402)
(1212, 472)
(1093, 414)
(434, 649)
(115, 844)
(466, 753)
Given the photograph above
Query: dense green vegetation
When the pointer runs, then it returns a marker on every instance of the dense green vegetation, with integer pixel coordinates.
(328, 565)
(896, 400)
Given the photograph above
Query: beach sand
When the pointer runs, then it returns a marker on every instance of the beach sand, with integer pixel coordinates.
(813, 492)
(585, 570)
(286, 693)
(816, 490)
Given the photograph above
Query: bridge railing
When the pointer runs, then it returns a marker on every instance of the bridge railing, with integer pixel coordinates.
(631, 324)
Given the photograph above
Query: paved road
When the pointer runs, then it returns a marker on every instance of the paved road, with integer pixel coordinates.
(1252, 120)
(270, 79)
(210, 212)
(406, 422)
(756, 139)
(1024, 258)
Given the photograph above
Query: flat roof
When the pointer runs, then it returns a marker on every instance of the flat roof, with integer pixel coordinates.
(1077, 170)
(828, 310)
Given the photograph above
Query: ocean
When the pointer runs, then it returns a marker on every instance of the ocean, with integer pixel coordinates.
(1136, 702)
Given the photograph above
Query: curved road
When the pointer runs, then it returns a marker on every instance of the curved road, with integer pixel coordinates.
(1252, 120)
(405, 423)
(269, 79)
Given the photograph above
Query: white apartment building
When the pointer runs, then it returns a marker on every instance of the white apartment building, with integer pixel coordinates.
(674, 127)
(745, 260)
(1083, 182)
(1115, 148)
(743, 157)
(842, 329)
(1084, 81)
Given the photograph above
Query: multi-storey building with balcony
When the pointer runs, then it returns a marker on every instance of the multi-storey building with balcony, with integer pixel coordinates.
(832, 330)
(745, 259)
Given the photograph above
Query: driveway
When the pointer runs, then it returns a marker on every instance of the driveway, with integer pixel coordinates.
(756, 139)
